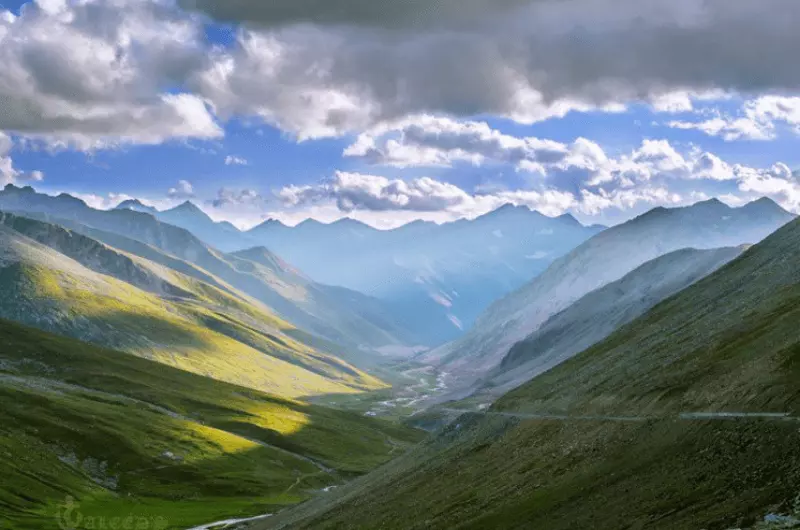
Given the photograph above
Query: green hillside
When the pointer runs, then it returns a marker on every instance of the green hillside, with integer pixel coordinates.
(332, 314)
(66, 283)
(126, 436)
(686, 418)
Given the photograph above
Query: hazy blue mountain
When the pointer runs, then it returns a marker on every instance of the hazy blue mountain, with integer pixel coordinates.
(222, 235)
(634, 432)
(137, 206)
(598, 314)
(313, 307)
(435, 279)
(605, 258)
(438, 278)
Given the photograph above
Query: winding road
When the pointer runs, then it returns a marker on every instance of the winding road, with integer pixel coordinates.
(689, 416)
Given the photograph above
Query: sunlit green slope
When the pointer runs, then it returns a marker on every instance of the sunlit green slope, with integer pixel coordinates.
(63, 282)
(123, 435)
(332, 314)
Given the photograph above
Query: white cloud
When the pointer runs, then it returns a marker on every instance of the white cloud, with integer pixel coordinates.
(775, 109)
(758, 120)
(578, 177)
(232, 160)
(91, 74)
(426, 141)
(678, 101)
(593, 203)
(230, 198)
(729, 129)
(183, 190)
(777, 182)
(10, 174)
(352, 192)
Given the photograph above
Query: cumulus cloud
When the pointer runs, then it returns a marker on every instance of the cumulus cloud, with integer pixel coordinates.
(578, 177)
(91, 74)
(183, 190)
(759, 119)
(321, 70)
(227, 198)
(232, 160)
(352, 192)
(10, 174)
(96, 72)
(729, 129)
(777, 182)
(426, 141)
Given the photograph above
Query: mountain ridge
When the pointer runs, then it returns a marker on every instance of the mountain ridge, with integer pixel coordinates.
(604, 258)
(599, 313)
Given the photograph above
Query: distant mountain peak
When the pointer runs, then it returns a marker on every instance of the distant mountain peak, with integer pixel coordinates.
(187, 209)
(69, 198)
(710, 203)
(310, 222)
(351, 223)
(568, 218)
(418, 223)
(130, 202)
(266, 225)
(136, 205)
(765, 205)
(510, 209)
(26, 189)
(188, 206)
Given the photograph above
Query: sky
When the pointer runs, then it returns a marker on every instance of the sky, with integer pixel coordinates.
(389, 111)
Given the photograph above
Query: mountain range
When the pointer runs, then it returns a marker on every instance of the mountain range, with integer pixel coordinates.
(644, 376)
(435, 278)
(604, 258)
(334, 314)
(686, 417)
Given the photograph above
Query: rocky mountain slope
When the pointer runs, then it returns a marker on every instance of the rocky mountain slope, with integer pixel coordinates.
(684, 418)
(599, 313)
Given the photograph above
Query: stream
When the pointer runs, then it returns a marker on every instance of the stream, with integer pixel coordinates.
(229, 522)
